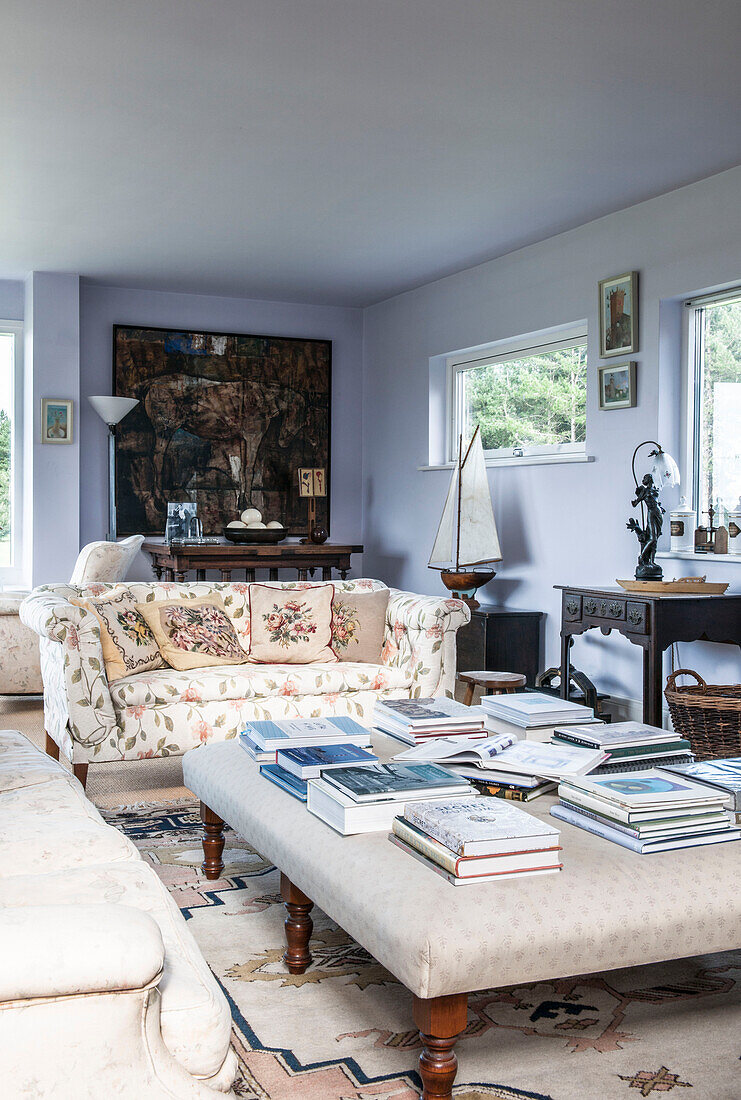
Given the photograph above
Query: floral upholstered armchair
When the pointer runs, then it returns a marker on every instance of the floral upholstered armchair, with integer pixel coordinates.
(166, 712)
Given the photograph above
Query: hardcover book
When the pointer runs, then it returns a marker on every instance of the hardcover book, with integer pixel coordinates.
(471, 827)
(647, 789)
(267, 735)
(457, 750)
(423, 712)
(311, 761)
(393, 781)
(725, 775)
(642, 847)
(633, 736)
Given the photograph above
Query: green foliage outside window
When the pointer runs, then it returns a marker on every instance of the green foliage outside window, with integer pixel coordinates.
(720, 445)
(534, 401)
(5, 474)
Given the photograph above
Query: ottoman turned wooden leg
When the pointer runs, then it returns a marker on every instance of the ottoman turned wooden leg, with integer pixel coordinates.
(440, 1021)
(298, 925)
(213, 843)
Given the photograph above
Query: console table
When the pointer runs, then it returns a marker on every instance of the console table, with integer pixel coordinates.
(175, 562)
(650, 621)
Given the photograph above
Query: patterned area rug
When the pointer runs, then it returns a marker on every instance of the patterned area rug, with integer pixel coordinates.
(342, 1031)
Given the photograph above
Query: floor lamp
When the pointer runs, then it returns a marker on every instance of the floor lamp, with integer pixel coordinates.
(112, 410)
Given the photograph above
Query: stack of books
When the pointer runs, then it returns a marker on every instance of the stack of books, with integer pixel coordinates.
(474, 841)
(505, 767)
(415, 721)
(324, 742)
(723, 775)
(632, 746)
(362, 800)
(646, 811)
(532, 712)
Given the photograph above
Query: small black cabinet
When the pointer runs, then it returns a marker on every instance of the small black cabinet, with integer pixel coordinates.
(502, 639)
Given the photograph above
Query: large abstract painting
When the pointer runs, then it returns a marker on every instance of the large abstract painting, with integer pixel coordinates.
(223, 420)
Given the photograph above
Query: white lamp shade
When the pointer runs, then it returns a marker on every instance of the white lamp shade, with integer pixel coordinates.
(665, 470)
(112, 409)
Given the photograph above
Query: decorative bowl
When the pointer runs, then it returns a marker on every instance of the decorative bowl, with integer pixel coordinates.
(255, 534)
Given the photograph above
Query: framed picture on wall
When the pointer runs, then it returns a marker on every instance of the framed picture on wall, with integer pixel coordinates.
(617, 386)
(56, 420)
(618, 315)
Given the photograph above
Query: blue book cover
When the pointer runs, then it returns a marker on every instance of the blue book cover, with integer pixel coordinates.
(284, 779)
(310, 761)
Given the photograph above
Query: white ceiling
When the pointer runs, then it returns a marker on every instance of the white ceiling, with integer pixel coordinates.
(344, 150)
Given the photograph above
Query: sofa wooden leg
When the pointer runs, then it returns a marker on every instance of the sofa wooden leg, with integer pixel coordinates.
(51, 746)
(80, 771)
(298, 925)
(440, 1021)
(213, 843)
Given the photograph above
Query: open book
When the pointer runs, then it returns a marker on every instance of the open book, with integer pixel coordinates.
(457, 750)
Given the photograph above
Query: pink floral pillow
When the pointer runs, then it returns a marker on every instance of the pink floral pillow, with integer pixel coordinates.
(193, 633)
(291, 626)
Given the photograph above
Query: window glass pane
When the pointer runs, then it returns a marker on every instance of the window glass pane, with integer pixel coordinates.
(720, 407)
(7, 361)
(536, 401)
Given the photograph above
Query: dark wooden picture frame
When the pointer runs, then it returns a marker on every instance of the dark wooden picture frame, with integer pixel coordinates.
(224, 420)
(618, 315)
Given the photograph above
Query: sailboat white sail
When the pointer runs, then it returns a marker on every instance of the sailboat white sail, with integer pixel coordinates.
(467, 533)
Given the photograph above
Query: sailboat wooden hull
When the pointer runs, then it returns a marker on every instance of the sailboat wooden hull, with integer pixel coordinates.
(463, 583)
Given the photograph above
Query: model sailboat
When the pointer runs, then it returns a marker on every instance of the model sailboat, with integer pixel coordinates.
(467, 534)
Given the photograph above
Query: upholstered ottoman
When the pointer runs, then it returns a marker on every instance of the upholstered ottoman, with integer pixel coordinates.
(608, 908)
(20, 671)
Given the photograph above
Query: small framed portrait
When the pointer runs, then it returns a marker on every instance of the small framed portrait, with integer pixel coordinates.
(617, 386)
(56, 420)
(618, 315)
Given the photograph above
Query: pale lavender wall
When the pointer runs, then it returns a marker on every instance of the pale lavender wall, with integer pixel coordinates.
(103, 306)
(12, 293)
(558, 524)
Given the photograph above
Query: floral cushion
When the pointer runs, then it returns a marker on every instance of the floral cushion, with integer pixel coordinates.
(128, 643)
(358, 625)
(253, 681)
(291, 627)
(193, 633)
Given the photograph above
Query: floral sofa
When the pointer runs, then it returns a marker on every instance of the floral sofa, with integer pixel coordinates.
(103, 990)
(164, 712)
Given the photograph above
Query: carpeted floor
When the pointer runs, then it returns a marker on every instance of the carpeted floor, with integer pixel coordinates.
(343, 1030)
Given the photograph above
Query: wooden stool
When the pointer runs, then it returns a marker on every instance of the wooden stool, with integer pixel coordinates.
(491, 683)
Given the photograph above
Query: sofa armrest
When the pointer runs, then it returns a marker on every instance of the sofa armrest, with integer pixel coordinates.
(420, 634)
(70, 950)
(87, 702)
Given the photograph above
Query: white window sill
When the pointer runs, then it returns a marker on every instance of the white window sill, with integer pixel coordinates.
(690, 555)
(525, 460)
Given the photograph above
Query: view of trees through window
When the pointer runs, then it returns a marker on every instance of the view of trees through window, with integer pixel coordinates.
(532, 401)
(719, 386)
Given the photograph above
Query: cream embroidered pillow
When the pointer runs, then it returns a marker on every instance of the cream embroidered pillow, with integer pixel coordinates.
(291, 626)
(128, 643)
(193, 633)
(358, 624)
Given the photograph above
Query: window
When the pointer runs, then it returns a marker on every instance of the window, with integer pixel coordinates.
(11, 366)
(715, 403)
(529, 396)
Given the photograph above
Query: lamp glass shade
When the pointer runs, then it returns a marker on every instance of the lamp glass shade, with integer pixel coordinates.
(665, 470)
(113, 409)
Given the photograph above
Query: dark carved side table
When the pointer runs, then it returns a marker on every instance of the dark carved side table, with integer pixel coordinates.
(652, 622)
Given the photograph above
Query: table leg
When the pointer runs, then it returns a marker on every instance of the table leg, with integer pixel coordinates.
(249, 576)
(326, 572)
(226, 574)
(303, 574)
(213, 843)
(440, 1021)
(469, 695)
(200, 574)
(298, 925)
(653, 675)
(565, 664)
(273, 575)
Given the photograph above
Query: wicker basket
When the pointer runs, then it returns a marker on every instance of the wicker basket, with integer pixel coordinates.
(708, 715)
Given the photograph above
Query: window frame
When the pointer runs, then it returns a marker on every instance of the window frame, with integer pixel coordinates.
(520, 347)
(694, 357)
(14, 574)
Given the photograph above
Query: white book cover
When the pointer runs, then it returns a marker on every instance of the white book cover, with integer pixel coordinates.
(471, 825)
(457, 750)
(645, 789)
(532, 708)
(622, 734)
(425, 712)
(548, 760)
